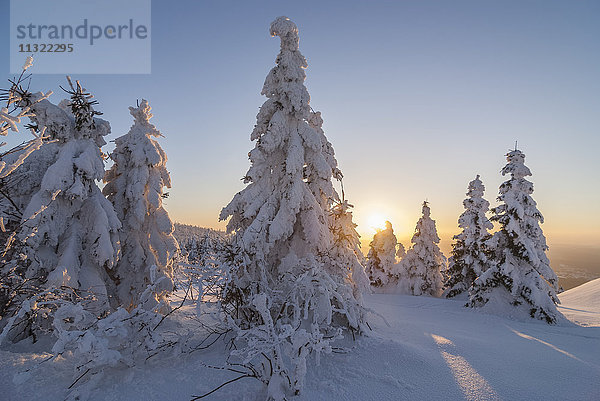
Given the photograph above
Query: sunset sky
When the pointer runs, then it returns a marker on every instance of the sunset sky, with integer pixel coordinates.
(417, 98)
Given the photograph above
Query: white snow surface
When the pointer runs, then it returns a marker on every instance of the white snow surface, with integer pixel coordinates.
(582, 304)
(433, 349)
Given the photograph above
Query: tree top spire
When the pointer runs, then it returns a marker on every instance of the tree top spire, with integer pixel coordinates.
(141, 118)
(142, 112)
(476, 188)
(426, 210)
(287, 31)
(516, 165)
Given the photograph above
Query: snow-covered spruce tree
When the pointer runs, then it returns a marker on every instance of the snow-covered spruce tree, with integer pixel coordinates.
(420, 271)
(382, 256)
(470, 254)
(70, 228)
(345, 252)
(135, 185)
(521, 275)
(53, 120)
(288, 282)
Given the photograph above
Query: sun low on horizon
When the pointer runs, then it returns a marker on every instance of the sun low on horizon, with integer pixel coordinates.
(376, 221)
(372, 217)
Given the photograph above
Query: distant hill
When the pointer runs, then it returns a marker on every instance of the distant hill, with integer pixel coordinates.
(184, 232)
(574, 264)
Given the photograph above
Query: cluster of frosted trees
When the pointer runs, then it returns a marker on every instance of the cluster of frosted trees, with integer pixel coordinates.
(417, 271)
(506, 269)
(296, 269)
(293, 273)
(102, 260)
(77, 261)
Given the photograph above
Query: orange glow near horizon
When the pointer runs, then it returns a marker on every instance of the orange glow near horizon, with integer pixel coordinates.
(376, 222)
(371, 217)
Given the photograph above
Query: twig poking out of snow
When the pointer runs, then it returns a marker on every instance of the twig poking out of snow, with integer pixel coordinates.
(121, 338)
(28, 63)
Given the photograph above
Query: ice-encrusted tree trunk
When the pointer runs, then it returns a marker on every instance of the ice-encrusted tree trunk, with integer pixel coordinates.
(470, 254)
(135, 186)
(70, 228)
(382, 256)
(288, 259)
(521, 275)
(420, 271)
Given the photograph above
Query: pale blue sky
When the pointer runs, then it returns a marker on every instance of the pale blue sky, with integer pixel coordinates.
(417, 98)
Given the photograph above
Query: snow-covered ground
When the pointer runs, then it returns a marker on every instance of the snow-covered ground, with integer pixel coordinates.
(432, 349)
(581, 305)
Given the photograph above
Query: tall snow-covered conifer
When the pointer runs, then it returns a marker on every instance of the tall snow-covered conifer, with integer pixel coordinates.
(135, 185)
(288, 272)
(521, 275)
(420, 271)
(469, 252)
(281, 218)
(382, 256)
(70, 227)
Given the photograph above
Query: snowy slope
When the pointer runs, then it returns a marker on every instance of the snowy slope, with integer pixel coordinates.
(582, 304)
(432, 349)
